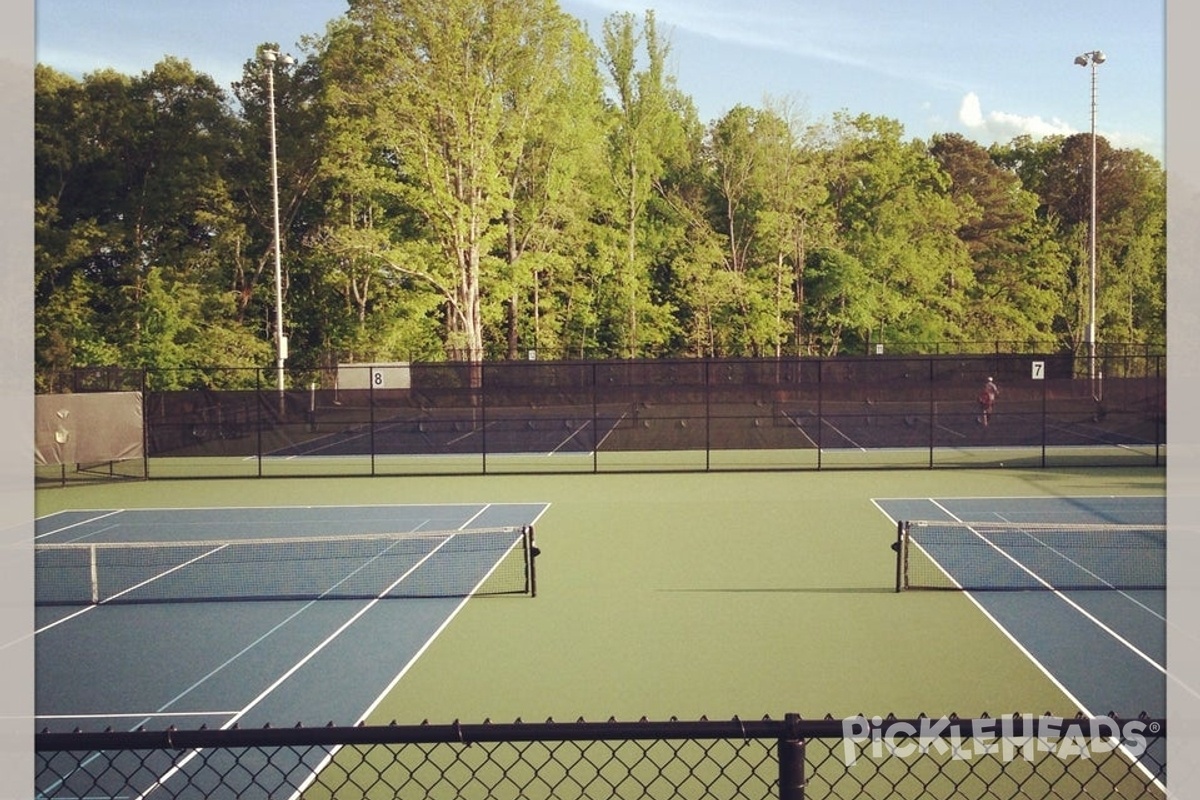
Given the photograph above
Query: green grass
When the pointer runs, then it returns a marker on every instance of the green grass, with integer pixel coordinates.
(684, 595)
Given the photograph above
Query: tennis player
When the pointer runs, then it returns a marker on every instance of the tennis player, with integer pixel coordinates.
(987, 400)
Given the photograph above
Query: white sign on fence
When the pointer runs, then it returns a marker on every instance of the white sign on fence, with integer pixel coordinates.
(395, 375)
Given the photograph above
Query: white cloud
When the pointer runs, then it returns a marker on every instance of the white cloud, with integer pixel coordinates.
(970, 112)
(1001, 126)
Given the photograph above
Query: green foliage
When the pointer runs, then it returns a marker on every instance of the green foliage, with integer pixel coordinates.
(897, 220)
(479, 180)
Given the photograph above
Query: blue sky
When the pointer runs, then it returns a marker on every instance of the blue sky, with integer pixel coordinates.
(988, 70)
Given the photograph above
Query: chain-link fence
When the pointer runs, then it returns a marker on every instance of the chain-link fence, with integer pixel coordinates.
(681, 415)
(791, 758)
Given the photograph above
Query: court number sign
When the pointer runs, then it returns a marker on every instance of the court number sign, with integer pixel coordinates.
(1039, 370)
(392, 375)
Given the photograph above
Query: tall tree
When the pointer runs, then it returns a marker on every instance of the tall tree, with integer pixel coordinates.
(1130, 290)
(367, 308)
(444, 82)
(1131, 243)
(1019, 273)
(552, 152)
(766, 201)
(897, 220)
(648, 134)
(134, 179)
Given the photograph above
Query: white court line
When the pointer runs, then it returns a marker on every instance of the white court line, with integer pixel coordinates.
(829, 425)
(1099, 438)
(143, 715)
(832, 427)
(565, 441)
(81, 522)
(474, 517)
(840, 433)
(611, 430)
(796, 424)
(468, 434)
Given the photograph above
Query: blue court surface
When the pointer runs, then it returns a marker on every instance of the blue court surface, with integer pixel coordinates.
(189, 661)
(1105, 648)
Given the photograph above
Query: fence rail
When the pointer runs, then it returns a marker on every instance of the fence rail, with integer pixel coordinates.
(789, 758)
(684, 415)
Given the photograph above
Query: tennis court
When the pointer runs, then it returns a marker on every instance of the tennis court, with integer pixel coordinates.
(1078, 583)
(666, 595)
(223, 616)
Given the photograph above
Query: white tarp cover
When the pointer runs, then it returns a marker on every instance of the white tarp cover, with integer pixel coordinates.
(88, 428)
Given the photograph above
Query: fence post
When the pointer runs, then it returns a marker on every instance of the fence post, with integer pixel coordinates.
(595, 423)
(1045, 423)
(791, 760)
(483, 404)
(144, 386)
(1158, 408)
(259, 401)
(932, 411)
(820, 411)
(707, 417)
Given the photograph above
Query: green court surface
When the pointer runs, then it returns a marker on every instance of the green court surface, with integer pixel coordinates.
(684, 595)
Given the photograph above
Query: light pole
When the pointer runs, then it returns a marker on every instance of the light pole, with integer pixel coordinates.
(270, 57)
(1092, 59)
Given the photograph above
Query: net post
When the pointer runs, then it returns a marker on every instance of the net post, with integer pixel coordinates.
(531, 553)
(901, 548)
(95, 574)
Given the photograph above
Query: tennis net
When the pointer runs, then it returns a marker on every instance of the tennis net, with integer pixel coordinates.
(362, 566)
(981, 556)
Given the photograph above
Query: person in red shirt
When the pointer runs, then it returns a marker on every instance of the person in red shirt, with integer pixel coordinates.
(987, 400)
